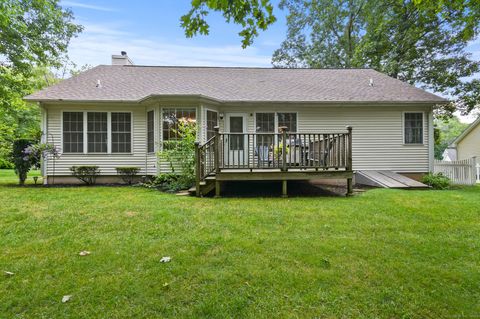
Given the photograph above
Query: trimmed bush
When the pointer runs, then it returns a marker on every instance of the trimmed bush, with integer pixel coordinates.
(87, 174)
(128, 173)
(436, 181)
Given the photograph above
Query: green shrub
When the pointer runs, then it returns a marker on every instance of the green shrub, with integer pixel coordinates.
(180, 155)
(436, 181)
(21, 159)
(87, 174)
(128, 173)
(169, 182)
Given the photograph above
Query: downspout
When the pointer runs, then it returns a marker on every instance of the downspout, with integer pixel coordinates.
(44, 139)
(146, 144)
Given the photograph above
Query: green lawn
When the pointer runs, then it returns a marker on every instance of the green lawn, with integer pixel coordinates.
(382, 254)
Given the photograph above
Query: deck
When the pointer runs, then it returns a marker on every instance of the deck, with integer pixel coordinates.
(274, 157)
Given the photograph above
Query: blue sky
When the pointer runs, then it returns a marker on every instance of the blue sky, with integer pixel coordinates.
(151, 34)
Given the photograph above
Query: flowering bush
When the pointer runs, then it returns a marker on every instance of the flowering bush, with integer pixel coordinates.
(26, 155)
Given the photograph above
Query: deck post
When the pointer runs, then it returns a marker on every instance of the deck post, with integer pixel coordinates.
(197, 168)
(349, 162)
(284, 188)
(216, 149)
(283, 129)
(217, 189)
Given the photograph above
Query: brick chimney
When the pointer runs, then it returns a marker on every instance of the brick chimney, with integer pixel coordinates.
(121, 59)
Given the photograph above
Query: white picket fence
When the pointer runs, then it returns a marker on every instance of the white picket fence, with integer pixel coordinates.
(464, 172)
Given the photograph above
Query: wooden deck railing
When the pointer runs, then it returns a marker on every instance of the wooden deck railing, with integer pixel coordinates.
(275, 151)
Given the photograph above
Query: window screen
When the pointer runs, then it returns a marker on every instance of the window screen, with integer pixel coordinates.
(413, 128)
(265, 122)
(150, 132)
(289, 120)
(97, 132)
(171, 118)
(121, 132)
(212, 121)
(73, 132)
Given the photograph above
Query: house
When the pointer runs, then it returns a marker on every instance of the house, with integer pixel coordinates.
(120, 114)
(466, 145)
(449, 154)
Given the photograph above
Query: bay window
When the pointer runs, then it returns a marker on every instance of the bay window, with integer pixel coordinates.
(212, 121)
(171, 117)
(150, 131)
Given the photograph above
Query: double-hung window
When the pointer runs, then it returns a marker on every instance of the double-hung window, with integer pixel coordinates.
(413, 128)
(272, 122)
(212, 121)
(73, 132)
(121, 132)
(265, 124)
(150, 131)
(97, 132)
(288, 120)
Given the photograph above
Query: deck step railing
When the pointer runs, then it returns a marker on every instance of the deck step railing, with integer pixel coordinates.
(274, 151)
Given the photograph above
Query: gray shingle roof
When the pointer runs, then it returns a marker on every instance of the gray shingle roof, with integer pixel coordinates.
(135, 83)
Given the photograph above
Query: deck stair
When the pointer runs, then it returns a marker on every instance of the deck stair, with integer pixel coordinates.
(206, 186)
(386, 179)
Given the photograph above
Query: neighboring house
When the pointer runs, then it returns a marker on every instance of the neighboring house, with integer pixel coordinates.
(119, 115)
(450, 154)
(466, 145)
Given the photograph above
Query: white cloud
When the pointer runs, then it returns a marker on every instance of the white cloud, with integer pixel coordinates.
(98, 41)
(75, 4)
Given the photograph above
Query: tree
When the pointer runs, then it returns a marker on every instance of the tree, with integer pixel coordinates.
(421, 42)
(19, 119)
(252, 15)
(446, 131)
(34, 33)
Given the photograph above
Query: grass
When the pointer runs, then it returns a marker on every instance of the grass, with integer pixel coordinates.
(382, 254)
(8, 177)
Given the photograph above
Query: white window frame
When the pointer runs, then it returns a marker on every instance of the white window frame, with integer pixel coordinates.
(146, 130)
(175, 107)
(109, 132)
(61, 131)
(423, 128)
(109, 125)
(275, 119)
(206, 120)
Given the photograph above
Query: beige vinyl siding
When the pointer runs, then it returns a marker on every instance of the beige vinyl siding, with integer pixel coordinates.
(377, 132)
(469, 146)
(106, 162)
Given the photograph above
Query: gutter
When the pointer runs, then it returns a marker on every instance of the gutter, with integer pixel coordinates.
(198, 98)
